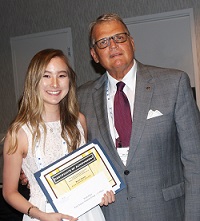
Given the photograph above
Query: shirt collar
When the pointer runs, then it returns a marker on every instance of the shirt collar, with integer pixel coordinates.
(128, 79)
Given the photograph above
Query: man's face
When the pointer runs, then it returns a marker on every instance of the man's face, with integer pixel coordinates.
(117, 58)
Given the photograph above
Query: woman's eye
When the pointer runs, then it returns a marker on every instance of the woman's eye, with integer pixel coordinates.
(63, 75)
(46, 76)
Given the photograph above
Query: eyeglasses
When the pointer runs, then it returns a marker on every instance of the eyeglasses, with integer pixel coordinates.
(105, 42)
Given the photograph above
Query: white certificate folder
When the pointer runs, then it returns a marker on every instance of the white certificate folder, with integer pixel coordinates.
(76, 183)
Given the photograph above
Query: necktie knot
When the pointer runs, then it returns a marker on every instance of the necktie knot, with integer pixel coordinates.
(120, 86)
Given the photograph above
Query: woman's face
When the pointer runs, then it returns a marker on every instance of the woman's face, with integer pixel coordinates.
(54, 84)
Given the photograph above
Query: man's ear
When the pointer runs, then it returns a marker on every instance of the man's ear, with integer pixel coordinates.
(133, 43)
(94, 55)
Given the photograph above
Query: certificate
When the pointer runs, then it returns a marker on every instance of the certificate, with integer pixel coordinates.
(76, 183)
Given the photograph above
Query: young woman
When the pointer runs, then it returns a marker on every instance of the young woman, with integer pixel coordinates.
(47, 126)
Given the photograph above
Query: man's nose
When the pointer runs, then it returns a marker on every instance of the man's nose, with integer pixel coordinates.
(112, 43)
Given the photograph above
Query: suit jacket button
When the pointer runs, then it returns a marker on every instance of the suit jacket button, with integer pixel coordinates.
(126, 172)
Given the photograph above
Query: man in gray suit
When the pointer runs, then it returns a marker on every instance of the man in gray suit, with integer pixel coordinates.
(161, 166)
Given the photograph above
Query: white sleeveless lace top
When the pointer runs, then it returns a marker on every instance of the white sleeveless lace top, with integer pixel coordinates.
(55, 148)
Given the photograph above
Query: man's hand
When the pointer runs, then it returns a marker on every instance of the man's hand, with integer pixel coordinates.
(23, 179)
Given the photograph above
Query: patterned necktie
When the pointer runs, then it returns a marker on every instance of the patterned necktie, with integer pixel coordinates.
(122, 115)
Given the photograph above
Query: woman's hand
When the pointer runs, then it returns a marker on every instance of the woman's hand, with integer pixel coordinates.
(42, 216)
(58, 217)
(108, 197)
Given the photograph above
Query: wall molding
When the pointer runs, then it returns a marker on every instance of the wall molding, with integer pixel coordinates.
(168, 40)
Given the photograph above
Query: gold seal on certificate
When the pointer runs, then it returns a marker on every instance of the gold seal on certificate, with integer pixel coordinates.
(76, 183)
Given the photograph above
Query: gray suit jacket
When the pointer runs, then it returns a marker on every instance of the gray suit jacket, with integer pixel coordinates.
(162, 175)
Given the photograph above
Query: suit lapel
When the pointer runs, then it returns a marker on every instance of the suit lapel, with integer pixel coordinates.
(143, 95)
